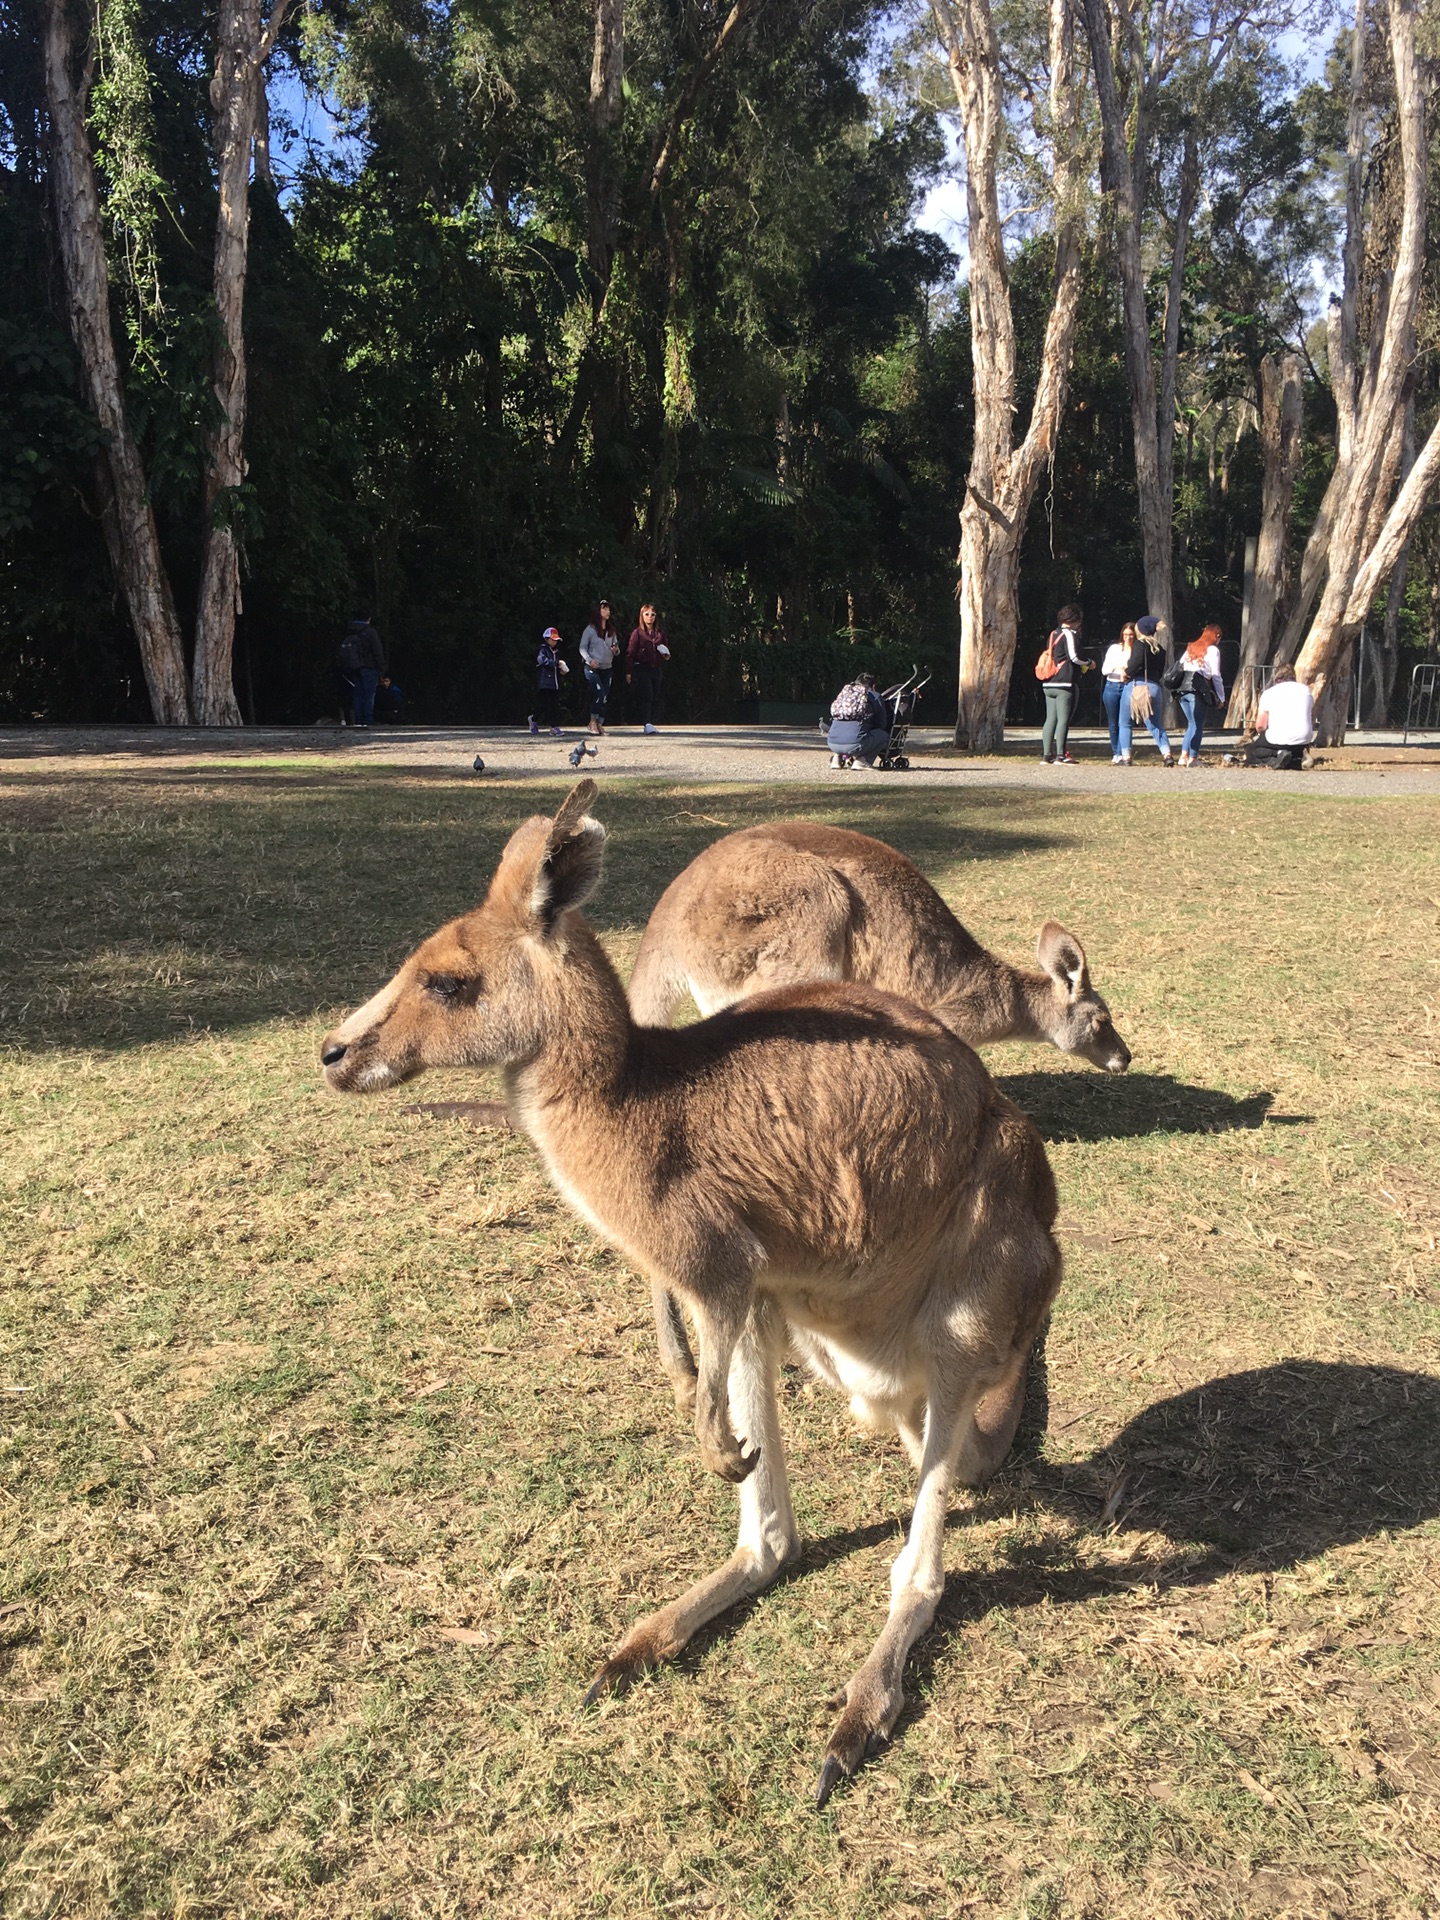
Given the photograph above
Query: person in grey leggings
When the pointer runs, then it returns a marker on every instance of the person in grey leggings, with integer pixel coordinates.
(1060, 690)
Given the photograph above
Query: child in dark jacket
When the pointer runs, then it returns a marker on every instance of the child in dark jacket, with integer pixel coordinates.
(548, 669)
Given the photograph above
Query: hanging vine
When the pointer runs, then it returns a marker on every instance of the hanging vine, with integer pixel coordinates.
(122, 122)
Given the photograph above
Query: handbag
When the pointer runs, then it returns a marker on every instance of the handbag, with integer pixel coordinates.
(1142, 707)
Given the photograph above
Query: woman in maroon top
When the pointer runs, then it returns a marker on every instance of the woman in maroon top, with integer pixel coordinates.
(645, 659)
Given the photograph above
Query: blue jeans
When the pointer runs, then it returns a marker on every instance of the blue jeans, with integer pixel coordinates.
(1117, 703)
(367, 680)
(1194, 710)
(1127, 720)
(598, 679)
(854, 738)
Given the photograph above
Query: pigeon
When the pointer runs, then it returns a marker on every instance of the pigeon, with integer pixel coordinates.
(478, 764)
(577, 753)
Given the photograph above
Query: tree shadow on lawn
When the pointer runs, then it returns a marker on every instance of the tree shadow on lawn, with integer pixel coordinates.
(292, 893)
(1255, 1471)
(1093, 1106)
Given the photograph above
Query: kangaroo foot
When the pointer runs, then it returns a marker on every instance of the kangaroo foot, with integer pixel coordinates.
(728, 1458)
(870, 1711)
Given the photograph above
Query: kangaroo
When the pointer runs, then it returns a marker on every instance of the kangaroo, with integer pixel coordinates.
(826, 1168)
(775, 905)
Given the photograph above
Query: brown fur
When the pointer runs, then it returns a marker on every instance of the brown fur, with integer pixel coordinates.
(826, 1167)
(791, 901)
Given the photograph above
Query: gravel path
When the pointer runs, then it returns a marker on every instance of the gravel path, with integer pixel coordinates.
(722, 754)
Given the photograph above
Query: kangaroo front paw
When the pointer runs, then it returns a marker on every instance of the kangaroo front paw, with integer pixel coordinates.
(870, 1711)
(730, 1461)
(682, 1385)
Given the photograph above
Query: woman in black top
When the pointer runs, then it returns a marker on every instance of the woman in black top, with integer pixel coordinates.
(1060, 688)
(1143, 670)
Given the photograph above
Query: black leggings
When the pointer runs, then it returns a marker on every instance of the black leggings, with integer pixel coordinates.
(547, 706)
(646, 683)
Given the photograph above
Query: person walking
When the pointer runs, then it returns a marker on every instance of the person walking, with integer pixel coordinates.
(1115, 666)
(362, 661)
(1061, 685)
(645, 659)
(599, 645)
(548, 669)
(1142, 698)
(1195, 678)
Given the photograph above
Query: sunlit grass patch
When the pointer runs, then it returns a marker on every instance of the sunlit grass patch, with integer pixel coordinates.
(334, 1453)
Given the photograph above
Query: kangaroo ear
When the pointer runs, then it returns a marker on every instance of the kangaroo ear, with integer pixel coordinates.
(570, 869)
(1063, 958)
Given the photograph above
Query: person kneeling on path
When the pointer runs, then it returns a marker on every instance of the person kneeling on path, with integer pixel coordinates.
(1287, 724)
(858, 729)
(548, 669)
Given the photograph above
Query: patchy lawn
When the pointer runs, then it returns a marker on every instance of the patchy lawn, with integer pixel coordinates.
(334, 1454)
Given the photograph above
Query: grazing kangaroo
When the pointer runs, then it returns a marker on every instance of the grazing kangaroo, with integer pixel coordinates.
(826, 1166)
(775, 905)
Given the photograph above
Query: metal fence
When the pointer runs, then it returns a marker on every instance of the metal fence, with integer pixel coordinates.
(1422, 710)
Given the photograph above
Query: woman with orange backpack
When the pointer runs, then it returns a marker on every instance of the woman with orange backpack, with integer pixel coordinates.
(1059, 668)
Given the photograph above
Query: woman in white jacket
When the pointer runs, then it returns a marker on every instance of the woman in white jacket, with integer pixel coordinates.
(1202, 691)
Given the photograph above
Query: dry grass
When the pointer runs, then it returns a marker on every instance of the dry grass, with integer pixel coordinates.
(294, 1389)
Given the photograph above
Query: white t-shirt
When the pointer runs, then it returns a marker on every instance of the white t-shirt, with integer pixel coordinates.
(1287, 713)
(1117, 658)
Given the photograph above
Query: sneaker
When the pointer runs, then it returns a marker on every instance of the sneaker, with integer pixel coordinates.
(534, 724)
(1123, 761)
(650, 729)
(835, 760)
(1116, 760)
(557, 733)
(1068, 760)
(1167, 759)
(1047, 759)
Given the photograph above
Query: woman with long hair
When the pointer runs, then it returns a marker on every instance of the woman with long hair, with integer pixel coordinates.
(1115, 667)
(1201, 691)
(1068, 663)
(599, 645)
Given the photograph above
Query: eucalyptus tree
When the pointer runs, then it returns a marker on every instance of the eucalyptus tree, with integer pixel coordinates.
(1158, 68)
(1003, 477)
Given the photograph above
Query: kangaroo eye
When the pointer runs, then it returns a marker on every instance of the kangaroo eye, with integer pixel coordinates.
(445, 986)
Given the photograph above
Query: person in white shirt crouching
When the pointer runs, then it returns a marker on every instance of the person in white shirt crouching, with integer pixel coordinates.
(1286, 723)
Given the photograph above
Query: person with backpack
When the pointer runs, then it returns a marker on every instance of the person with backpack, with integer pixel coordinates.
(548, 669)
(1142, 690)
(1195, 680)
(1059, 669)
(362, 661)
(858, 729)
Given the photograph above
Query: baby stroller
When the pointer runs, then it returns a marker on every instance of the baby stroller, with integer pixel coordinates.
(900, 704)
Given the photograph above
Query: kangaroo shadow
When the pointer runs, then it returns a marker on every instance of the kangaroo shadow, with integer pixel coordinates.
(1253, 1471)
(1090, 1107)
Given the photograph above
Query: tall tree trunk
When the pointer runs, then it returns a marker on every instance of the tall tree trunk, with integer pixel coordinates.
(1121, 175)
(1281, 408)
(1378, 422)
(243, 44)
(1003, 478)
(129, 520)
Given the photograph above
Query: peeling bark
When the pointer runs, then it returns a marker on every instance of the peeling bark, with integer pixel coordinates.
(1378, 425)
(244, 43)
(1281, 406)
(127, 517)
(1003, 478)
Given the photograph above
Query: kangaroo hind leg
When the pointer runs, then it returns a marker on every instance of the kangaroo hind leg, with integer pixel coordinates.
(768, 1537)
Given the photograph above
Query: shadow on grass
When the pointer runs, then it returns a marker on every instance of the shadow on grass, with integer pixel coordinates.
(1091, 1106)
(147, 904)
(1255, 1471)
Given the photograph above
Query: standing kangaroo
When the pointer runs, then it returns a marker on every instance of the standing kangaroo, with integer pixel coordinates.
(775, 905)
(826, 1166)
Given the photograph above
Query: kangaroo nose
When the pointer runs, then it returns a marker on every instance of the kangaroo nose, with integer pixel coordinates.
(332, 1052)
